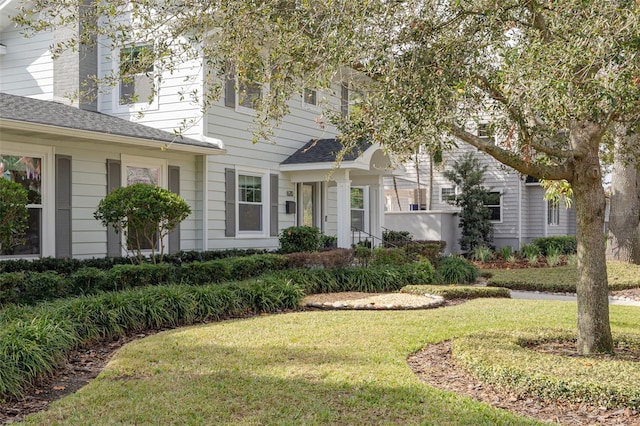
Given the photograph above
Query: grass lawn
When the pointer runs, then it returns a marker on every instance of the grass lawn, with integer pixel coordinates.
(336, 367)
(563, 278)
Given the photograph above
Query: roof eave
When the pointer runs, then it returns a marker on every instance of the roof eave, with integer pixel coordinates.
(107, 137)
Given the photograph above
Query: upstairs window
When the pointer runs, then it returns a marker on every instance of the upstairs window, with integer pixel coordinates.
(249, 94)
(136, 75)
(485, 132)
(447, 193)
(310, 98)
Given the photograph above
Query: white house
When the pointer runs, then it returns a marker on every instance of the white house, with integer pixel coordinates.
(71, 154)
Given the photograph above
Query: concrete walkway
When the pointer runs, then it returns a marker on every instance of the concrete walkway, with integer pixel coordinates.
(536, 295)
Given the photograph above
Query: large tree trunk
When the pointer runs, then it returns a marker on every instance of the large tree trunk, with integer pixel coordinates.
(594, 331)
(623, 240)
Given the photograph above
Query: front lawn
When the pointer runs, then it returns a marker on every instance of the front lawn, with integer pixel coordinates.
(339, 368)
(563, 278)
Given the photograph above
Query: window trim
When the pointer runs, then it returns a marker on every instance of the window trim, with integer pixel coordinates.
(47, 188)
(264, 202)
(497, 205)
(553, 212)
(442, 199)
(136, 106)
(245, 109)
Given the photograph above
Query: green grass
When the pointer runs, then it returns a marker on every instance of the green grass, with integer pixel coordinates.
(339, 368)
(563, 278)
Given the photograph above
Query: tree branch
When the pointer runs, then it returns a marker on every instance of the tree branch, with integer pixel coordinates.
(550, 172)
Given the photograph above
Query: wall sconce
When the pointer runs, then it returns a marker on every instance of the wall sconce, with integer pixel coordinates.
(290, 207)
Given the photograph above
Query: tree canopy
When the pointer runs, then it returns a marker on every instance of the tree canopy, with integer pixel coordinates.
(549, 79)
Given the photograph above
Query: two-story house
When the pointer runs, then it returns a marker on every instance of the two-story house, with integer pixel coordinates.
(417, 202)
(70, 154)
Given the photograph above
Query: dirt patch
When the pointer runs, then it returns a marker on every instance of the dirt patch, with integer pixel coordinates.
(435, 366)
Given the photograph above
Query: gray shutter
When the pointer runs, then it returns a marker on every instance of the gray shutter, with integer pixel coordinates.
(274, 205)
(229, 86)
(230, 202)
(344, 100)
(113, 183)
(174, 186)
(63, 206)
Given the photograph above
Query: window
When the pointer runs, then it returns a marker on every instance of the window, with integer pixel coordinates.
(250, 208)
(485, 132)
(310, 98)
(151, 176)
(249, 94)
(136, 75)
(351, 101)
(447, 193)
(357, 209)
(553, 213)
(27, 171)
(494, 204)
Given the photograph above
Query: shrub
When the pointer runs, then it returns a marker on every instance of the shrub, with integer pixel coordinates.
(246, 267)
(14, 215)
(337, 258)
(529, 250)
(389, 256)
(88, 280)
(455, 270)
(10, 283)
(431, 250)
(553, 256)
(482, 254)
(213, 271)
(457, 292)
(506, 252)
(475, 216)
(35, 340)
(129, 276)
(391, 238)
(566, 244)
(43, 286)
(299, 239)
(362, 255)
(145, 214)
(328, 242)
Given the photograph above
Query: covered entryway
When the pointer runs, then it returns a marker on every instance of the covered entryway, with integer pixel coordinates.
(345, 199)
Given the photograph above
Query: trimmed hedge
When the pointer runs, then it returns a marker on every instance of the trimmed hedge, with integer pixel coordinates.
(504, 358)
(68, 266)
(34, 341)
(565, 244)
(368, 280)
(32, 287)
(456, 291)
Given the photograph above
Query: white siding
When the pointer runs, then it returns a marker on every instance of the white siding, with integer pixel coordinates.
(27, 68)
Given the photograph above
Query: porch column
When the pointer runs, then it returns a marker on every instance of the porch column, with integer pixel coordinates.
(343, 182)
(376, 207)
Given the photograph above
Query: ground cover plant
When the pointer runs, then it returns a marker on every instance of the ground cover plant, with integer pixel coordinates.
(304, 368)
(456, 291)
(562, 279)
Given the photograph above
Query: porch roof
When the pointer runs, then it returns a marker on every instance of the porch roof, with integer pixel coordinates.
(28, 114)
(324, 151)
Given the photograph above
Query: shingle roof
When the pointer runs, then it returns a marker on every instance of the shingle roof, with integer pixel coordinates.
(323, 151)
(20, 108)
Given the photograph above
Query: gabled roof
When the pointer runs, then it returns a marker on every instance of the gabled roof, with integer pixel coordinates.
(19, 109)
(323, 151)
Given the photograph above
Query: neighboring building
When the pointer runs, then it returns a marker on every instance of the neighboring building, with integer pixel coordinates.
(71, 154)
(519, 211)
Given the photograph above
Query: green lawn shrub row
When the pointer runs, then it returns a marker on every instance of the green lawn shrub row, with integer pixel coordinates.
(368, 280)
(336, 258)
(565, 244)
(35, 340)
(456, 291)
(505, 358)
(67, 266)
(31, 287)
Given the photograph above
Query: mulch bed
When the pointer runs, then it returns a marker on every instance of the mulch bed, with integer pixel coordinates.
(435, 366)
